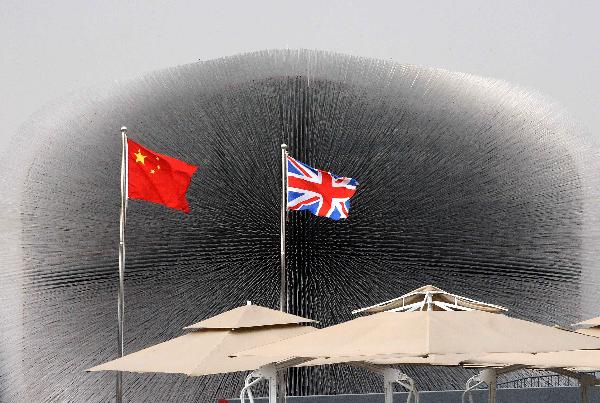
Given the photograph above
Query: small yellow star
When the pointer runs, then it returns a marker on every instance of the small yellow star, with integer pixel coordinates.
(152, 171)
(158, 166)
(157, 158)
(139, 157)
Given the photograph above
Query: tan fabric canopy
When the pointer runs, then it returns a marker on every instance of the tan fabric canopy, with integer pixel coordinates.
(248, 316)
(208, 351)
(594, 322)
(580, 360)
(393, 359)
(591, 331)
(438, 300)
(424, 333)
(591, 327)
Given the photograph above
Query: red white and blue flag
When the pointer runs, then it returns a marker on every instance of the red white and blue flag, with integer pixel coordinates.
(320, 192)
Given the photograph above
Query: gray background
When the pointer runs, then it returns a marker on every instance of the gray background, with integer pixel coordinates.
(52, 48)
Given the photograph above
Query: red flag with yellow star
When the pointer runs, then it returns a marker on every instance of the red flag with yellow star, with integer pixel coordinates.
(157, 178)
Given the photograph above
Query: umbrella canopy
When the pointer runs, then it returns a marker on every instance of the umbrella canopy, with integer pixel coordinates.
(423, 333)
(430, 297)
(591, 327)
(391, 359)
(208, 350)
(594, 322)
(580, 360)
(591, 331)
(249, 316)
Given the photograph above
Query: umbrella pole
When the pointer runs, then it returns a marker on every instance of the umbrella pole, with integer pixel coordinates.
(388, 390)
(121, 293)
(583, 390)
(266, 372)
(490, 377)
(270, 373)
(391, 376)
(492, 390)
(273, 388)
(585, 381)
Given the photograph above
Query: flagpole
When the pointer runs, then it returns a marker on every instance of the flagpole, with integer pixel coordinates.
(281, 375)
(121, 294)
(283, 286)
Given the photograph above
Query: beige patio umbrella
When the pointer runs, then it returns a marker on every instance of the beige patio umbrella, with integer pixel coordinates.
(381, 364)
(568, 363)
(431, 298)
(578, 360)
(249, 316)
(206, 348)
(590, 327)
(591, 331)
(594, 322)
(421, 337)
(392, 359)
(423, 333)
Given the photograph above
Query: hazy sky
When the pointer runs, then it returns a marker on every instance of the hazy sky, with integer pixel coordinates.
(50, 48)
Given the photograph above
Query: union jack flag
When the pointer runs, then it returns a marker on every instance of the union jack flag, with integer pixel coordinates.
(320, 192)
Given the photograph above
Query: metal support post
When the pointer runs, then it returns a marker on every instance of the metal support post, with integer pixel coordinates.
(490, 377)
(268, 373)
(585, 381)
(391, 376)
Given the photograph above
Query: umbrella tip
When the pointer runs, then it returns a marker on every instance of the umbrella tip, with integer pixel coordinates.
(248, 302)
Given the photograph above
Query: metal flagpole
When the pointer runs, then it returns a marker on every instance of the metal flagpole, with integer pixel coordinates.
(281, 376)
(121, 295)
(283, 287)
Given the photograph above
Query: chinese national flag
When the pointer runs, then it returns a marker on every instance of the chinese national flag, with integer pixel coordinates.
(157, 178)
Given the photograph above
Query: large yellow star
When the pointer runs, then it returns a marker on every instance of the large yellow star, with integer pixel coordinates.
(139, 157)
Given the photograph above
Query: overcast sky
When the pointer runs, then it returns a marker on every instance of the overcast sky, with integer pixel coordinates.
(50, 48)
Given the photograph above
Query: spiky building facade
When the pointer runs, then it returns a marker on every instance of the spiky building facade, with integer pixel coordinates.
(468, 183)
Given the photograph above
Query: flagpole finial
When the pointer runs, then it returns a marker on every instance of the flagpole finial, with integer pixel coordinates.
(284, 146)
(123, 129)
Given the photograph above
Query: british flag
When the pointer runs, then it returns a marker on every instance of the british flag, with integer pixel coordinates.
(320, 192)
